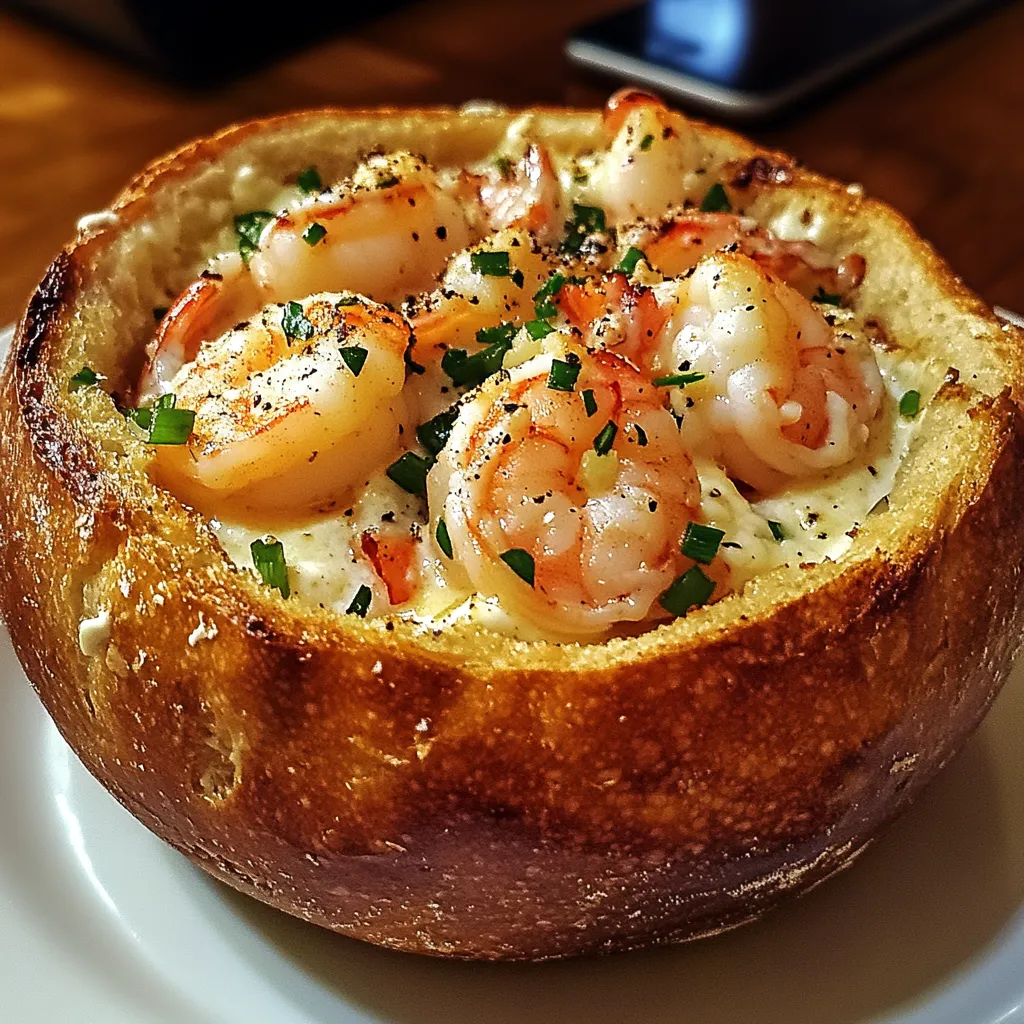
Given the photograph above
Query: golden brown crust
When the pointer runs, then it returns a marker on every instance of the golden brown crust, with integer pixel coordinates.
(467, 794)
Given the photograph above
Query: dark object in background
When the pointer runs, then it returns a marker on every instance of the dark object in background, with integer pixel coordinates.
(197, 42)
(750, 58)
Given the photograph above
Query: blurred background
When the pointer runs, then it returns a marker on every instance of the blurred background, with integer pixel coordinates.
(90, 90)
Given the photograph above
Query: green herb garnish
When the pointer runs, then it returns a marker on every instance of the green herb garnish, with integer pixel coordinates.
(490, 264)
(86, 377)
(910, 404)
(716, 201)
(295, 324)
(434, 434)
(629, 261)
(171, 426)
(645, 142)
(468, 371)
(360, 604)
(641, 435)
(521, 563)
(543, 306)
(690, 590)
(538, 329)
(268, 557)
(354, 356)
(589, 402)
(444, 541)
(503, 332)
(564, 373)
(777, 530)
(827, 297)
(314, 233)
(249, 227)
(309, 181)
(677, 380)
(606, 438)
(585, 221)
(410, 471)
(701, 542)
(504, 166)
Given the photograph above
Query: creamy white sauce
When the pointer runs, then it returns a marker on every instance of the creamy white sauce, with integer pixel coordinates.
(819, 516)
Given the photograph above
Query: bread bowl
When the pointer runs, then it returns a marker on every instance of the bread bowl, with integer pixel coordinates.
(563, 798)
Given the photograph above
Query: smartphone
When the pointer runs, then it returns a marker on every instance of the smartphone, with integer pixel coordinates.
(751, 58)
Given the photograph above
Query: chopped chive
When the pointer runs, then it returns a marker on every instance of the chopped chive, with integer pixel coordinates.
(360, 604)
(248, 228)
(517, 278)
(629, 261)
(295, 324)
(777, 530)
(589, 402)
(171, 426)
(444, 541)
(716, 201)
(309, 181)
(268, 558)
(910, 404)
(468, 371)
(645, 142)
(434, 434)
(354, 356)
(538, 329)
(503, 332)
(86, 377)
(410, 471)
(314, 233)
(677, 380)
(388, 181)
(143, 416)
(690, 590)
(701, 542)
(521, 563)
(585, 221)
(490, 264)
(563, 374)
(159, 312)
(351, 299)
(504, 166)
(606, 438)
(828, 298)
(543, 306)
(641, 435)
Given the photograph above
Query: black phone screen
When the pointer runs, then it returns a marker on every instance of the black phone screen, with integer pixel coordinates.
(760, 46)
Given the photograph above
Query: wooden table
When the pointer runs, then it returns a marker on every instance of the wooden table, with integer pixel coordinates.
(940, 133)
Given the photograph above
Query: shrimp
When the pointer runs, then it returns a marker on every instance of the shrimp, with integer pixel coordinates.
(569, 538)
(615, 314)
(779, 393)
(386, 234)
(473, 296)
(222, 296)
(651, 162)
(293, 408)
(524, 193)
(679, 241)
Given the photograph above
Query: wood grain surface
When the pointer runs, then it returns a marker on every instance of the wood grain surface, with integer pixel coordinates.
(939, 132)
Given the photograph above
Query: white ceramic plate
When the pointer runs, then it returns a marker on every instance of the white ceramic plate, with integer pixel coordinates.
(101, 923)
